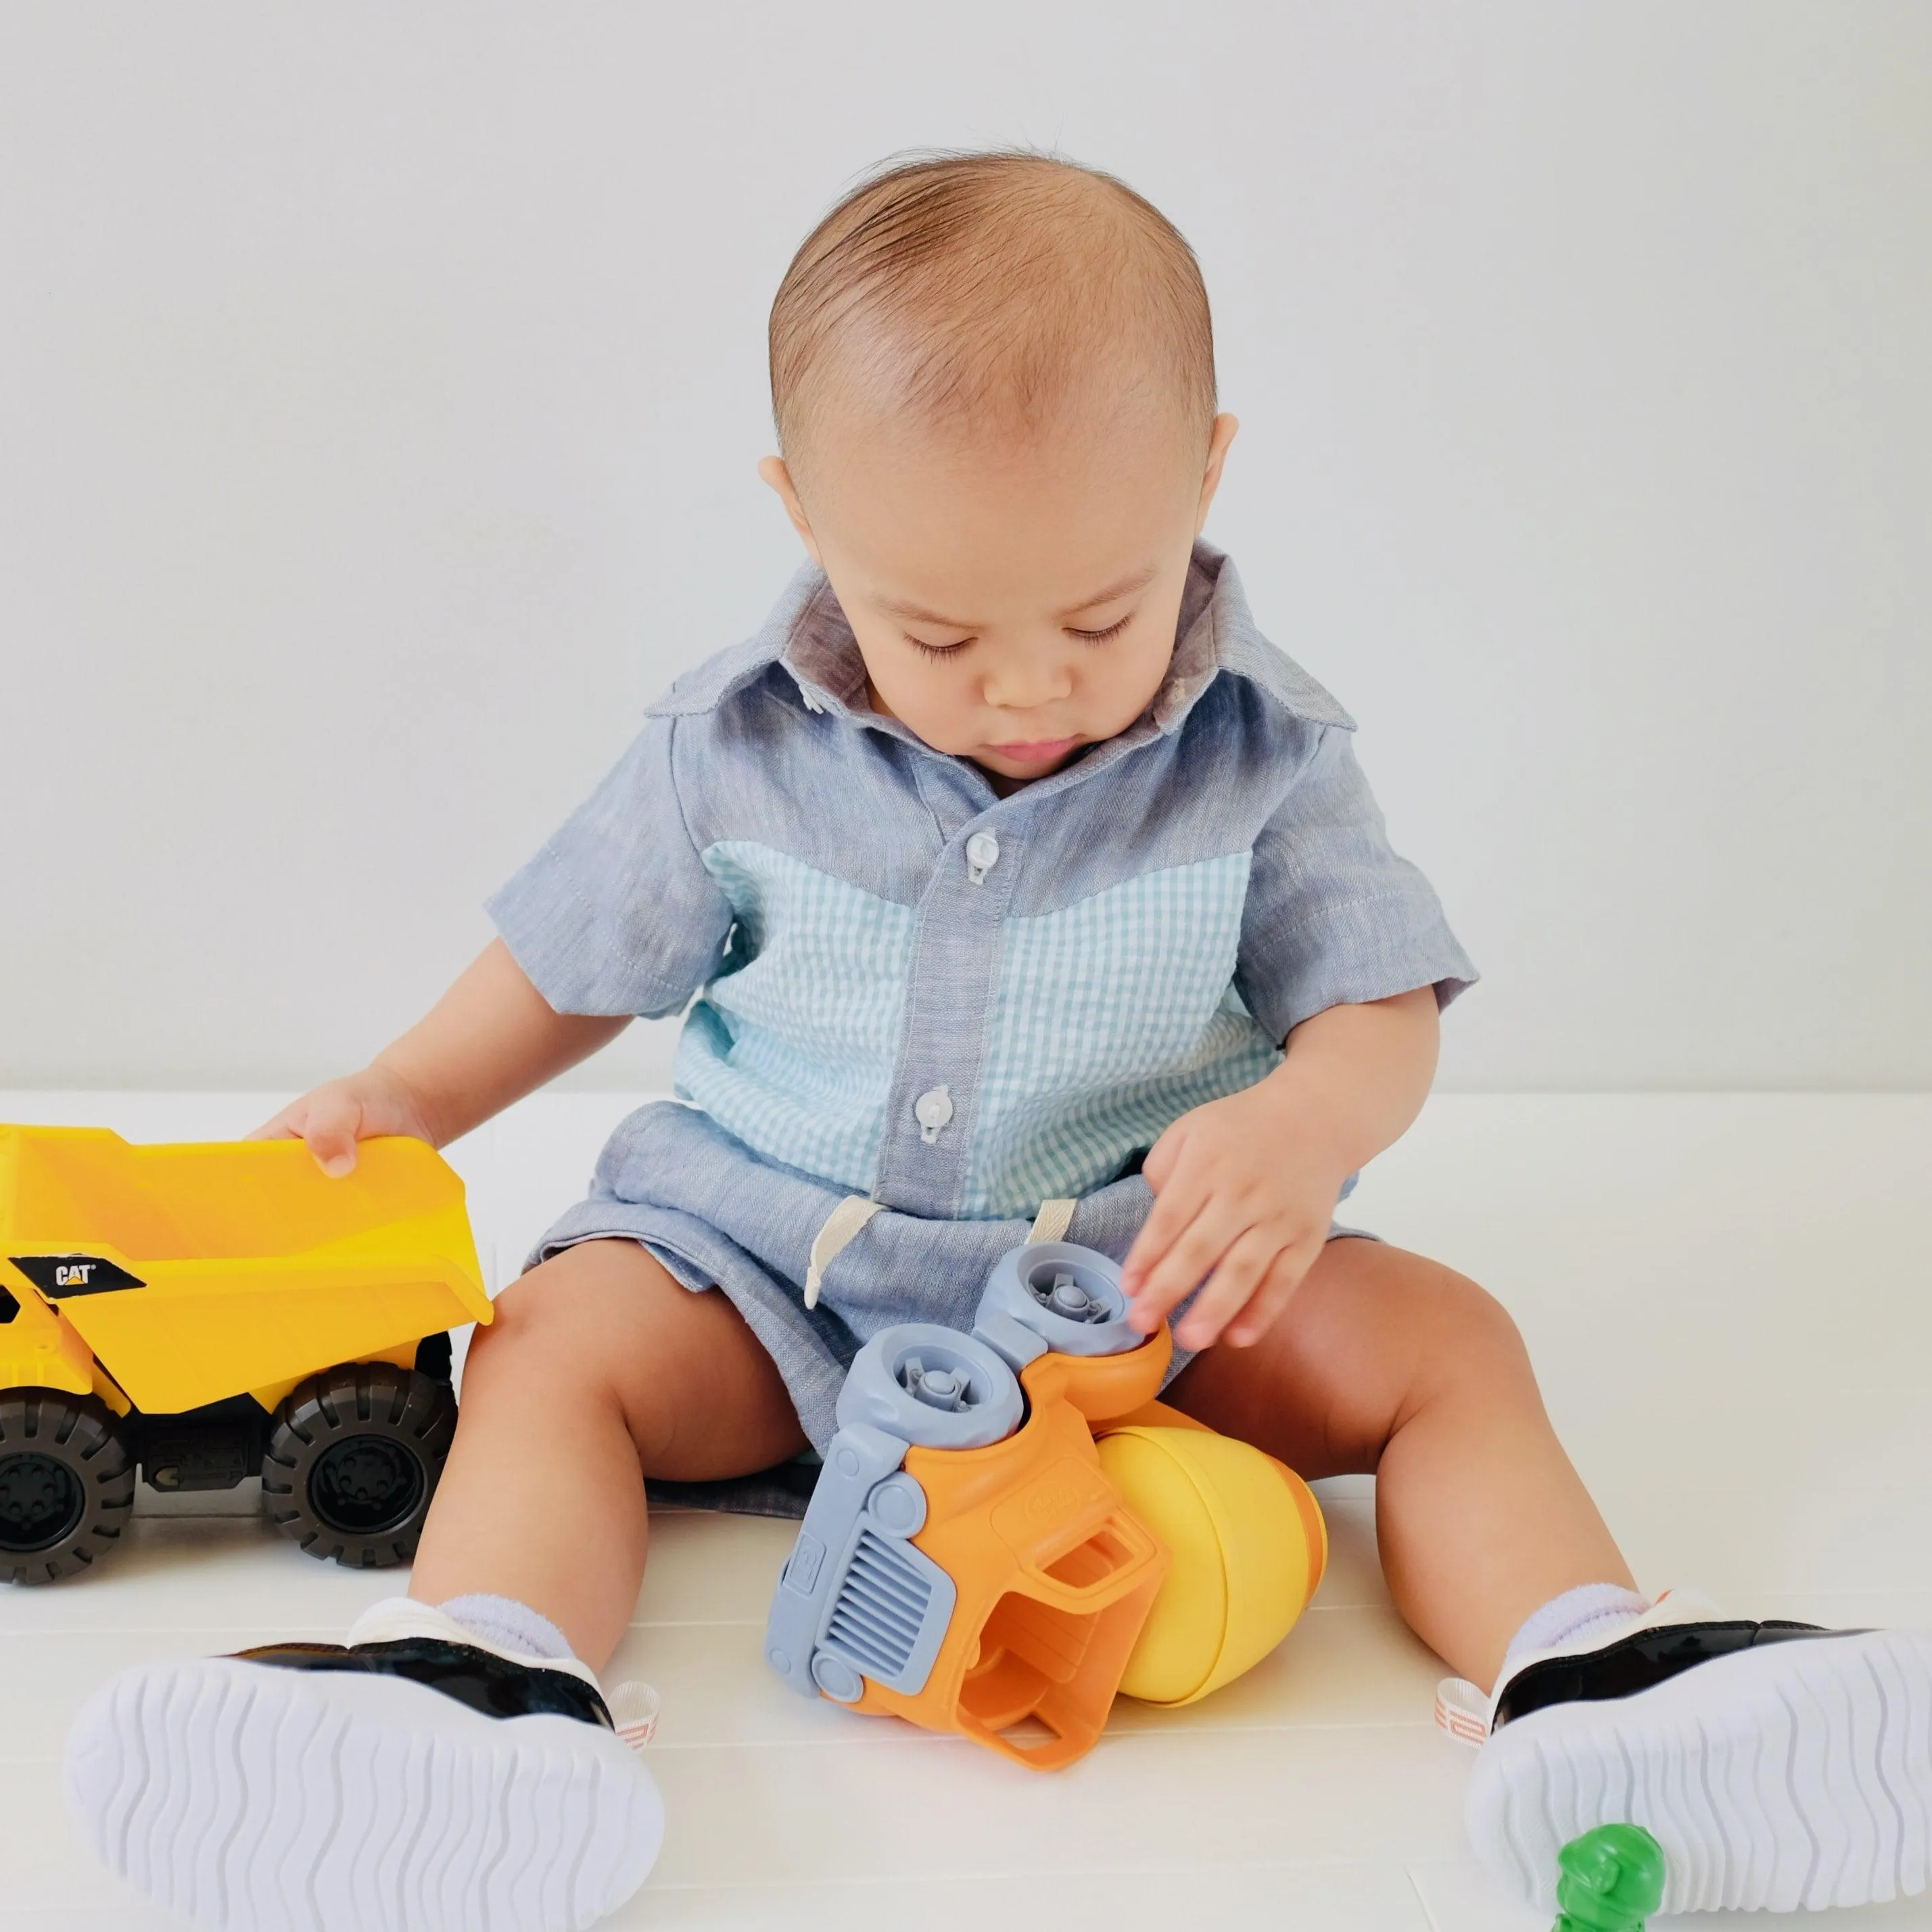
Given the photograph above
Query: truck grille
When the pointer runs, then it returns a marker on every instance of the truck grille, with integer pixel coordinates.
(881, 1608)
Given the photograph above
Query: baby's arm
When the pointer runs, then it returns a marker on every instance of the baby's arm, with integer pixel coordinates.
(1245, 1186)
(490, 1040)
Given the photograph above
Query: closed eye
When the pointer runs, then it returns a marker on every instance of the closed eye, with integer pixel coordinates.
(936, 650)
(1101, 637)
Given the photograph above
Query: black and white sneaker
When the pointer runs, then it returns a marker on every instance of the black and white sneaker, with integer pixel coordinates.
(1778, 1765)
(412, 1781)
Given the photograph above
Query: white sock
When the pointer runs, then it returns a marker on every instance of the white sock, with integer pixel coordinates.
(507, 1624)
(1575, 1620)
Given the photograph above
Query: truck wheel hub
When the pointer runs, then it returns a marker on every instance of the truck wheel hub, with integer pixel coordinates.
(366, 1486)
(41, 1502)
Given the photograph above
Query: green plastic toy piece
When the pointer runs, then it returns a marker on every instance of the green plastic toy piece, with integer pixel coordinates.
(1613, 1880)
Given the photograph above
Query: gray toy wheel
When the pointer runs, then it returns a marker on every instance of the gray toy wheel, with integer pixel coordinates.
(934, 1386)
(353, 1460)
(67, 1484)
(1070, 1297)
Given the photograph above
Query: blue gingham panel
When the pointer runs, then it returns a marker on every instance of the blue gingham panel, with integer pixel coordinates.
(792, 1051)
(1111, 1019)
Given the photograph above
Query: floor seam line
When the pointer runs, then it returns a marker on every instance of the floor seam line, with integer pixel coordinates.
(1421, 1897)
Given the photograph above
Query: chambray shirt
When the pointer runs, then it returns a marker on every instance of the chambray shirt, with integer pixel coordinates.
(902, 986)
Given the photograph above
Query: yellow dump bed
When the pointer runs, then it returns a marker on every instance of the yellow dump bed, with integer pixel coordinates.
(197, 1272)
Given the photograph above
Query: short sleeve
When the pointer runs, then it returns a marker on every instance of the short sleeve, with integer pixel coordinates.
(617, 914)
(1333, 917)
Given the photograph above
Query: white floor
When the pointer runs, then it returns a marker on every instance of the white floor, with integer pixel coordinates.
(1730, 1302)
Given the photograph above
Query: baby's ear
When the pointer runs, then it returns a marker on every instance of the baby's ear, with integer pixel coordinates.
(773, 470)
(1221, 435)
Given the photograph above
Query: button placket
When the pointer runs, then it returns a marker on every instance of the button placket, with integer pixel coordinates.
(949, 795)
(955, 958)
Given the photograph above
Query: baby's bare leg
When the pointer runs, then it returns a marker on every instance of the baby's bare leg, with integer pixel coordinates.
(1389, 1363)
(600, 1369)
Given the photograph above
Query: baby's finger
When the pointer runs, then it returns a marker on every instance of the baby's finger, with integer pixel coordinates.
(1236, 1276)
(286, 1125)
(329, 1132)
(1159, 1163)
(1181, 1270)
(1269, 1302)
(1153, 1295)
(1175, 1207)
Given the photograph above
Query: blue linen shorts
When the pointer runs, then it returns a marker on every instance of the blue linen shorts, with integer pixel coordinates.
(718, 1215)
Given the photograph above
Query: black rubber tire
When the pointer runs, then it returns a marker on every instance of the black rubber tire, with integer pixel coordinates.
(353, 1459)
(67, 1484)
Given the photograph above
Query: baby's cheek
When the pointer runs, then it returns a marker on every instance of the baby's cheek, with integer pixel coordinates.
(937, 705)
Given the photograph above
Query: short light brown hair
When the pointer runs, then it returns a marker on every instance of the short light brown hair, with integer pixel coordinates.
(991, 288)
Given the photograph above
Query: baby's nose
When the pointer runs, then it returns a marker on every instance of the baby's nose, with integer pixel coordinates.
(1027, 687)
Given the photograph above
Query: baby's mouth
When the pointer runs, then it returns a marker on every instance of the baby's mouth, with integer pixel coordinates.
(1035, 751)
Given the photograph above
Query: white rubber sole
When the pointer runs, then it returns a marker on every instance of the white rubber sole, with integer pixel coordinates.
(1796, 1775)
(251, 1798)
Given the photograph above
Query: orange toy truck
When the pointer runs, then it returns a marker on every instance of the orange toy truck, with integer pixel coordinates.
(1010, 1529)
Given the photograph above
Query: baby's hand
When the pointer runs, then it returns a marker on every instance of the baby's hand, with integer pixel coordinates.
(330, 1120)
(1244, 1187)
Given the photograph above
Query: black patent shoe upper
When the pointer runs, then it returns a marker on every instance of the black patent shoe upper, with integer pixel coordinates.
(494, 1686)
(1638, 1663)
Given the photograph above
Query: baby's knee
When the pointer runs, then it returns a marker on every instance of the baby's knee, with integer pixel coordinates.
(1466, 1331)
(538, 1320)
(599, 1330)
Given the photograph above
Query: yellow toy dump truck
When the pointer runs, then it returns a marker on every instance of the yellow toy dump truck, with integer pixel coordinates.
(202, 1313)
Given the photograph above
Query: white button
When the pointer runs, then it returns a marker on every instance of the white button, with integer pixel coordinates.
(982, 854)
(811, 703)
(932, 1110)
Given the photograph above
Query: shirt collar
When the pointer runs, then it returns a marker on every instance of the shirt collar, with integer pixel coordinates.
(807, 633)
(1217, 635)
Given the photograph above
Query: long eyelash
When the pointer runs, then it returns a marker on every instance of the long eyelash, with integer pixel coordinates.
(1107, 636)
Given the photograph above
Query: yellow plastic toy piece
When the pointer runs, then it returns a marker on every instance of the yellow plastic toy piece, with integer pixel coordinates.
(196, 1316)
(38, 1350)
(1248, 1546)
(191, 1273)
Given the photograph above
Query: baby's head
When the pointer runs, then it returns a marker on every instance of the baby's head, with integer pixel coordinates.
(993, 376)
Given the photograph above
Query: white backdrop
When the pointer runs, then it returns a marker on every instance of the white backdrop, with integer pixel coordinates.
(380, 387)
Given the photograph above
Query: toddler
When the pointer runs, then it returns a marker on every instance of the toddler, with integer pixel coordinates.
(1013, 879)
